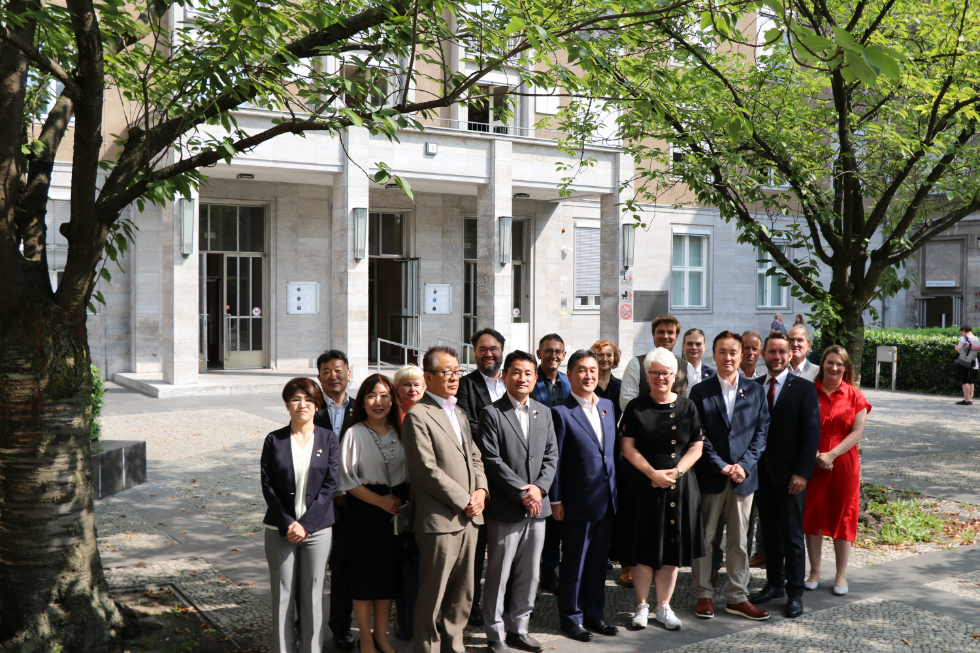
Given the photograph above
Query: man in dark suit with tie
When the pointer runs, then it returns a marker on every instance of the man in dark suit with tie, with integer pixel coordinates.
(520, 456)
(551, 389)
(583, 498)
(477, 390)
(334, 374)
(787, 465)
(735, 422)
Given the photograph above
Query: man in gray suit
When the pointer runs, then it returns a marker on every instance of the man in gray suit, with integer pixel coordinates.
(449, 490)
(520, 456)
(799, 346)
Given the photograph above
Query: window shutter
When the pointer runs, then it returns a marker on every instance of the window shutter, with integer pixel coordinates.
(586, 261)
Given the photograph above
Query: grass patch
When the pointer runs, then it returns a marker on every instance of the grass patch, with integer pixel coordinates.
(904, 523)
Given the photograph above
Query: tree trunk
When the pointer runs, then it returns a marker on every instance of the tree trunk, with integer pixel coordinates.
(854, 339)
(52, 587)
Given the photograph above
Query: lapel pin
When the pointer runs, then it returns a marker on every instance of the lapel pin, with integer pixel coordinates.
(604, 412)
(318, 452)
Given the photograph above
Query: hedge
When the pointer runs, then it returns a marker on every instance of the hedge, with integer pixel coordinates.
(926, 359)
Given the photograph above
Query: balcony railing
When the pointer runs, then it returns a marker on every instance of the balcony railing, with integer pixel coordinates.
(510, 130)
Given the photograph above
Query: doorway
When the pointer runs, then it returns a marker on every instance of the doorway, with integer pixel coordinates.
(232, 287)
(394, 293)
(945, 311)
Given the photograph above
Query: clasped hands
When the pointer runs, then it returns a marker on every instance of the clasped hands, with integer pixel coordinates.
(475, 505)
(663, 478)
(825, 460)
(532, 500)
(734, 472)
(296, 533)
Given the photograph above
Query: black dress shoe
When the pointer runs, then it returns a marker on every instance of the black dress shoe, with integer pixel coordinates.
(577, 632)
(601, 627)
(548, 584)
(476, 617)
(345, 642)
(523, 643)
(794, 607)
(768, 593)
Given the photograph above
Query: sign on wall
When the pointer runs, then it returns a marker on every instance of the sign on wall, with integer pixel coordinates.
(437, 299)
(302, 297)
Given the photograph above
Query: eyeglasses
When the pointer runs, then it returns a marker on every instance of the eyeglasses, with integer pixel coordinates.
(489, 350)
(448, 374)
(553, 352)
(659, 375)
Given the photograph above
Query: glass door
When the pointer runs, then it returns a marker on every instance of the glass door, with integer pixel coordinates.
(411, 300)
(243, 312)
(202, 319)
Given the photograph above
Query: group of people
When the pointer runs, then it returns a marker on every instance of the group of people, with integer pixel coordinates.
(541, 477)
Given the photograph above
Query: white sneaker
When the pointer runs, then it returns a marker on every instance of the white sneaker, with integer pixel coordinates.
(641, 615)
(667, 617)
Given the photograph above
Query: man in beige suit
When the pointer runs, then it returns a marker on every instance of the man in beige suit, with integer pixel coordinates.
(449, 491)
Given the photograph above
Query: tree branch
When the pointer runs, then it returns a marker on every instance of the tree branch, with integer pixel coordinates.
(41, 60)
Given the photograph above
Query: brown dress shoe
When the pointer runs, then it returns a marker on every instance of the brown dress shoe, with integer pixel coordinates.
(747, 610)
(756, 561)
(714, 578)
(626, 577)
(704, 609)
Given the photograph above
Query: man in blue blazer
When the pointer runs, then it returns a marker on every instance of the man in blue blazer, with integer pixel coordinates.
(735, 422)
(551, 389)
(583, 499)
(786, 466)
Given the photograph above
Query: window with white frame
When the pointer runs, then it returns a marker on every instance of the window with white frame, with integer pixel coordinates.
(56, 245)
(587, 268)
(491, 110)
(769, 294)
(689, 271)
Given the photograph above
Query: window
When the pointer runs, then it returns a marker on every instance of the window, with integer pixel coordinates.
(689, 272)
(587, 268)
(549, 102)
(769, 294)
(373, 87)
(491, 109)
(469, 279)
(385, 231)
(229, 228)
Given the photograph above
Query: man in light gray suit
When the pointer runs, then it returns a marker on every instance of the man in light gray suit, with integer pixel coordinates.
(520, 456)
(799, 346)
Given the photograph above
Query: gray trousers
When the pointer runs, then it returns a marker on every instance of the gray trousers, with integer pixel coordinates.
(296, 573)
(736, 509)
(511, 548)
(446, 587)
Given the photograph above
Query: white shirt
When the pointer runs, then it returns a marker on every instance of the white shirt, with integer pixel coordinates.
(336, 413)
(592, 413)
(449, 407)
(741, 373)
(630, 389)
(362, 464)
(496, 387)
(693, 377)
(805, 370)
(522, 411)
(729, 392)
(301, 471)
(780, 382)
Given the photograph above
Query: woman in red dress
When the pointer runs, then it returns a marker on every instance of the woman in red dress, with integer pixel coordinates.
(833, 494)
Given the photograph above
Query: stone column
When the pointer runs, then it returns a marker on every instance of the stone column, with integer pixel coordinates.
(615, 317)
(145, 292)
(347, 298)
(494, 282)
(180, 290)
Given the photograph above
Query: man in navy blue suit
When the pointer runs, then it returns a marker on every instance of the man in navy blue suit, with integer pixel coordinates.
(786, 466)
(551, 389)
(735, 421)
(583, 499)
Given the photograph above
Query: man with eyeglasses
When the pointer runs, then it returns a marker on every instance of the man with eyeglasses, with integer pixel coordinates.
(551, 389)
(449, 488)
(477, 390)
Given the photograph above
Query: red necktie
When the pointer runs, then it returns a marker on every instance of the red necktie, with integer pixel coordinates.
(772, 393)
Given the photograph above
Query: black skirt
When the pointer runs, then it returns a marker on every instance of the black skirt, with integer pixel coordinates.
(374, 552)
(965, 375)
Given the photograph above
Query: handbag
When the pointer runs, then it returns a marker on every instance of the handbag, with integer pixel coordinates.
(967, 358)
(403, 520)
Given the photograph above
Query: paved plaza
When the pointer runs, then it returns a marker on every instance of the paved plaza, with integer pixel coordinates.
(196, 525)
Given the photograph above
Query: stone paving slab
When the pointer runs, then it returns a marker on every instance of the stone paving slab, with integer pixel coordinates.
(953, 469)
(861, 627)
(965, 585)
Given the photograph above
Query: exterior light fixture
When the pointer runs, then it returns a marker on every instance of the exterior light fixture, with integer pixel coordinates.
(628, 241)
(360, 233)
(522, 196)
(244, 175)
(186, 226)
(504, 229)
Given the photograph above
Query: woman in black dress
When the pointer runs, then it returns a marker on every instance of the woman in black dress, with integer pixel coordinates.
(662, 528)
(374, 473)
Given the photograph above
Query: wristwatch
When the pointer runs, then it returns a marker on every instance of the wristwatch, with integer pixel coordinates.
(679, 472)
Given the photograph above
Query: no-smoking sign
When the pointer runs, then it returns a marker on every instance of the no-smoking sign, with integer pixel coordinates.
(626, 311)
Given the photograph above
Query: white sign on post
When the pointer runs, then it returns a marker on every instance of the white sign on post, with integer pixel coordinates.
(302, 298)
(437, 299)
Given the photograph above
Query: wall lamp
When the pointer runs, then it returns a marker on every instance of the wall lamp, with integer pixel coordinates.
(186, 226)
(504, 231)
(628, 242)
(360, 233)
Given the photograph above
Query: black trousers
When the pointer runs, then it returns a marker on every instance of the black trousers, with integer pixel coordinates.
(781, 516)
(341, 604)
(478, 561)
(551, 555)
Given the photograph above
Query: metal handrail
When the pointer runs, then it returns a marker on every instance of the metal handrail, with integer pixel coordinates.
(511, 130)
(404, 347)
(465, 345)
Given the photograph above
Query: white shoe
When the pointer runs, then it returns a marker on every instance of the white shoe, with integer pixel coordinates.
(641, 615)
(811, 586)
(667, 617)
(840, 590)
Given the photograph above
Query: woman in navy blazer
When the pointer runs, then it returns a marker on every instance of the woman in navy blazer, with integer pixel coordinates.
(300, 468)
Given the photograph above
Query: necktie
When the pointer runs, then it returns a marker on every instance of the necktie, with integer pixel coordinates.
(772, 393)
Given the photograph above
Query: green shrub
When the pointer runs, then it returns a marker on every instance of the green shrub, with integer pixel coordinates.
(926, 359)
(98, 402)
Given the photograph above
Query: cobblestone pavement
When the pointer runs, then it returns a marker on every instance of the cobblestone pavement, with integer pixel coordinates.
(232, 498)
(870, 625)
(965, 585)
